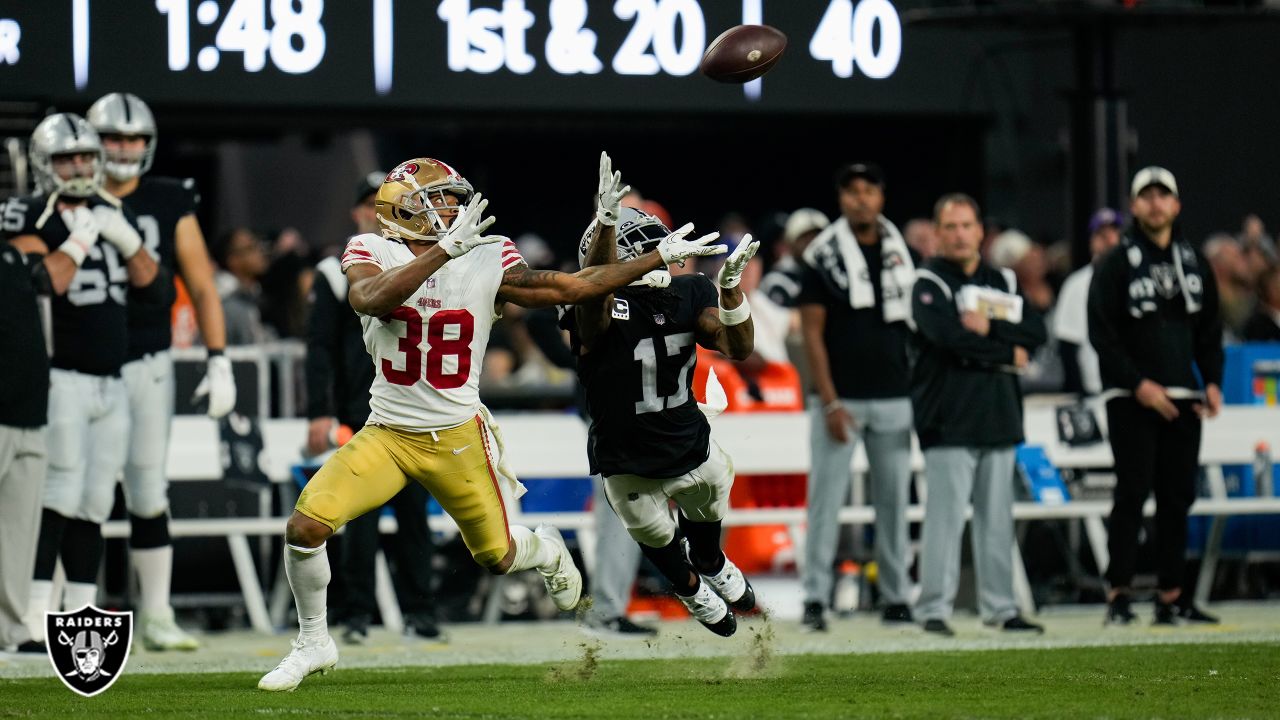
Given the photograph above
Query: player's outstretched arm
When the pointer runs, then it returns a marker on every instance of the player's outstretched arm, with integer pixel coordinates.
(593, 318)
(728, 328)
(376, 292)
(538, 288)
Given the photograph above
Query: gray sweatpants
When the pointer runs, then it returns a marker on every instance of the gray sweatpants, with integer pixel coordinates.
(953, 475)
(23, 462)
(885, 426)
(617, 559)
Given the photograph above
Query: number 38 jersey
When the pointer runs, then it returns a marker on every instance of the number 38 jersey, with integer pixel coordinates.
(428, 352)
(638, 376)
(90, 321)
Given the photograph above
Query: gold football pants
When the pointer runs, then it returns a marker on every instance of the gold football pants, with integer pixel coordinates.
(454, 465)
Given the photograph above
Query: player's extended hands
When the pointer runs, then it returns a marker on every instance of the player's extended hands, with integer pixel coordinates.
(116, 230)
(731, 272)
(220, 385)
(675, 249)
(609, 192)
(467, 231)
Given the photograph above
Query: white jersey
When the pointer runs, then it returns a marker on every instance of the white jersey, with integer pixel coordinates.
(428, 352)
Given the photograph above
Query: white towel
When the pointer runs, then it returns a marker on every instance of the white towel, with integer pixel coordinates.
(509, 484)
(897, 274)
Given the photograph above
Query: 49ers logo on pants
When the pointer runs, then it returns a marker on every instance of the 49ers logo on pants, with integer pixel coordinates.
(88, 647)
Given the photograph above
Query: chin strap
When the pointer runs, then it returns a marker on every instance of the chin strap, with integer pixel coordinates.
(654, 279)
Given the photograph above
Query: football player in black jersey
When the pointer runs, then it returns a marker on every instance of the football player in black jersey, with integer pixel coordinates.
(165, 209)
(648, 437)
(94, 258)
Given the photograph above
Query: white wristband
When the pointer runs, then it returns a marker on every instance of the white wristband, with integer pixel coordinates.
(736, 316)
(73, 248)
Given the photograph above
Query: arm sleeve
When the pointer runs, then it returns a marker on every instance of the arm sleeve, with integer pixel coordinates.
(1208, 331)
(322, 341)
(1107, 308)
(939, 323)
(544, 329)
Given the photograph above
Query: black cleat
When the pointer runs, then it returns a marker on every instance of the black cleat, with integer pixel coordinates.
(1166, 614)
(1019, 624)
(357, 630)
(1192, 614)
(939, 627)
(423, 625)
(813, 620)
(1119, 612)
(623, 626)
(894, 614)
(710, 609)
(34, 646)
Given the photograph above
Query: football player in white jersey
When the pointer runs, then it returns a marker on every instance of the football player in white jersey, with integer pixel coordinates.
(428, 290)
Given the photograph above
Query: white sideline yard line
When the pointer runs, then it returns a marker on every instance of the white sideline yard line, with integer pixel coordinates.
(563, 641)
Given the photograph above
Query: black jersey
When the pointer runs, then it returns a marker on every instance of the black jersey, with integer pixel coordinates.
(24, 395)
(638, 379)
(90, 322)
(158, 203)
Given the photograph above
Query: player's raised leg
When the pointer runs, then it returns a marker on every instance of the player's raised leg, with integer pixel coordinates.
(459, 469)
(642, 506)
(361, 476)
(703, 498)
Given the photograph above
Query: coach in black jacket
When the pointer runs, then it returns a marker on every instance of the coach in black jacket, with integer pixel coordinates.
(339, 374)
(973, 334)
(1154, 320)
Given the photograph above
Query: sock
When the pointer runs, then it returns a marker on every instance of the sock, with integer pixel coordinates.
(531, 552)
(79, 594)
(670, 561)
(155, 567)
(308, 573)
(704, 545)
(81, 554)
(52, 526)
(38, 601)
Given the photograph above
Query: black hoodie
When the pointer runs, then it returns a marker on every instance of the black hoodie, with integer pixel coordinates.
(962, 389)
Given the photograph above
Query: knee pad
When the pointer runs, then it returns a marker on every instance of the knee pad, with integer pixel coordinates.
(149, 532)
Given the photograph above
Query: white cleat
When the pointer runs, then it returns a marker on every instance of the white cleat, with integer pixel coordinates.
(564, 583)
(307, 657)
(709, 609)
(160, 632)
(732, 585)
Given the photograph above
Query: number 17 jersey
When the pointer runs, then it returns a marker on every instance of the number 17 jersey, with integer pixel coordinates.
(427, 353)
(638, 379)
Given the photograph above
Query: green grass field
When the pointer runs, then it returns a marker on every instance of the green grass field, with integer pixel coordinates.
(1174, 681)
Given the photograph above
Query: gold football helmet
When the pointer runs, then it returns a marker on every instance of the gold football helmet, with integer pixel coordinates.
(413, 195)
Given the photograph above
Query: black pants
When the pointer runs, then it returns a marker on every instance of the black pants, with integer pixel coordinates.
(1151, 454)
(411, 558)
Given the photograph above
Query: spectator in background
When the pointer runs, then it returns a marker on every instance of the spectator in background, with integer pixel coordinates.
(286, 288)
(1015, 251)
(855, 310)
(922, 236)
(1153, 318)
(1235, 286)
(244, 261)
(1071, 320)
(782, 283)
(339, 375)
(1264, 325)
(974, 331)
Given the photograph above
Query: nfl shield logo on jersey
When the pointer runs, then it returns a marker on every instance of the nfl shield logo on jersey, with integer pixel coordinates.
(88, 647)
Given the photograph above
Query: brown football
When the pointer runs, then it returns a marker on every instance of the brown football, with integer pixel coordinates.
(743, 53)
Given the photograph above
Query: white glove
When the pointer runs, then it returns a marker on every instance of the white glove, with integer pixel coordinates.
(675, 249)
(84, 233)
(609, 192)
(731, 271)
(117, 231)
(220, 385)
(465, 234)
